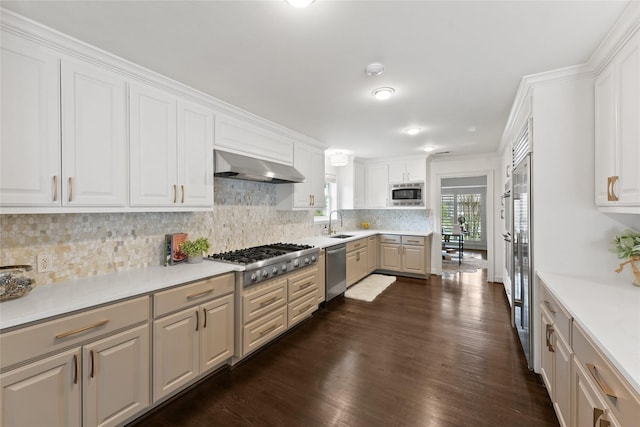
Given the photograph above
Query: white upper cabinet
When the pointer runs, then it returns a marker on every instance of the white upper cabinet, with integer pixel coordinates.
(30, 129)
(617, 131)
(309, 161)
(407, 171)
(377, 186)
(351, 186)
(195, 158)
(94, 143)
(171, 146)
(242, 137)
(154, 148)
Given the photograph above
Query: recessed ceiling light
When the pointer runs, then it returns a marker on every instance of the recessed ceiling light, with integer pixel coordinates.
(429, 148)
(413, 131)
(383, 93)
(374, 69)
(300, 3)
(471, 129)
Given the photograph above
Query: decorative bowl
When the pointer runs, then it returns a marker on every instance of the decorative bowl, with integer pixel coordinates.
(14, 281)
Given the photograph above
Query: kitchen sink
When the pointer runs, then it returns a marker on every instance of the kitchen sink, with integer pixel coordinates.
(341, 236)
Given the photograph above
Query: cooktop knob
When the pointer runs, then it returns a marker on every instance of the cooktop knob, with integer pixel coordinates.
(313, 258)
(265, 273)
(254, 277)
(306, 260)
(296, 262)
(284, 267)
(275, 270)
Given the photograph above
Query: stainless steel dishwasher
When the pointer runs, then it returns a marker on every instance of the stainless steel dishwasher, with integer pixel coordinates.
(336, 270)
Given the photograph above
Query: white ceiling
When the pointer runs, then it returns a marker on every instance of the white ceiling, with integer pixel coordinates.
(455, 65)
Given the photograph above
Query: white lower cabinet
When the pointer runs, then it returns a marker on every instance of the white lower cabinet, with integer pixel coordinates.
(90, 383)
(194, 340)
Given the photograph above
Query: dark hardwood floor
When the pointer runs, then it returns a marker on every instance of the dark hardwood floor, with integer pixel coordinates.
(435, 354)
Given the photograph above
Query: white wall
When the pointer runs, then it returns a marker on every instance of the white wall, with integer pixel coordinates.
(449, 167)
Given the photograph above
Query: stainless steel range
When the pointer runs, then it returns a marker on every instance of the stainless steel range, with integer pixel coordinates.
(268, 261)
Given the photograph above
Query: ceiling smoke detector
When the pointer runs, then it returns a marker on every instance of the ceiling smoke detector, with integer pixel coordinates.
(300, 3)
(374, 70)
(383, 93)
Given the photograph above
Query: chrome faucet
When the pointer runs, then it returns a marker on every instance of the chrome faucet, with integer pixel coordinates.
(331, 231)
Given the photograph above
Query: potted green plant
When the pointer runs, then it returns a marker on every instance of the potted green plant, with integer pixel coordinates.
(627, 247)
(194, 249)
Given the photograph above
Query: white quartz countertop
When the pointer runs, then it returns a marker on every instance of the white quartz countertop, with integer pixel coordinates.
(609, 313)
(325, 241)
(60, 298)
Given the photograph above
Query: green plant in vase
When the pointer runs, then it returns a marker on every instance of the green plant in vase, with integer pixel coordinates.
(194, 249)
(627, 247)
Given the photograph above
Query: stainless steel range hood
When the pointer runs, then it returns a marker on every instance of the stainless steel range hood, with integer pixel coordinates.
(229, 165)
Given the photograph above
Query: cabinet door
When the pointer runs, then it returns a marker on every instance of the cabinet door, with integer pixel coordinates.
(397, 172)
(546, 356)
(588, 408)
(377, 186)
(317, 179)
(359, 190)
(44, 393)
(413, 260)
(363, 263)
(628, 186)
(416, 170)
(116, 377)
(30, 131)
(195, 154)
(153, 146)
(175, 351)
(217, 332)
(390, 257)
(562, 379)
(303, 162)
(322, 290)
(372, 253)
(94, 140)
(352, 268)
(605, 134)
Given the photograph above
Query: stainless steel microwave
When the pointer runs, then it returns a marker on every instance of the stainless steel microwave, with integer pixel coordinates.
(406, 194)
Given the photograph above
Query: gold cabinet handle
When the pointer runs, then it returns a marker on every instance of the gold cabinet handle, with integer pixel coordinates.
(605, 388)
(611, 195)
(197, 320)
(549, 333)
(199, 294)
(75, 369)
(204, 316)
(358, 256)
(305, 308)
(597, 413)
(175, 193)
(55, 188)
(266, 331)
(548, 305)
(93, 364)
(70, 188)
(182, 200)
(306, 285)
(267, 302)
(83, 329)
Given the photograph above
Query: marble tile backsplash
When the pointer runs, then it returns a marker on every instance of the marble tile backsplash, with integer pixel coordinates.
(83, 245)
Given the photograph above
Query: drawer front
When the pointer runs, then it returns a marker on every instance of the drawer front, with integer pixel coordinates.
(303, 308)
(263, 330)
(263, 299)
(356, 244)
(302, 284)
(33, 341)
(560, 318)
(390, 238)
(194, 293)
(413, 240)
(626, 404)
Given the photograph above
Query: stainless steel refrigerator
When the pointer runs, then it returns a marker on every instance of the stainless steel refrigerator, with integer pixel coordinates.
(522, 266)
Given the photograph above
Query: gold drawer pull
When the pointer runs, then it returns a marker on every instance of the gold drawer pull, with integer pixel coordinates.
(175, 193)
(199, 294)
(70, 188)
(548, 305)
(549, 333)
(182, 200)
(267, 331)
(306, 307)
(55, 188)
(83, 329)
(605, 388)
(306, 285)
(413, 241)
(269, 301)
(611, 195)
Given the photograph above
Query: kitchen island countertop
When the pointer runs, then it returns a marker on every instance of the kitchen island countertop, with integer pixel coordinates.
(609, 313)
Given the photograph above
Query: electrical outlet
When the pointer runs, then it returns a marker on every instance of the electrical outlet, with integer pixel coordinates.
(45, 263)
